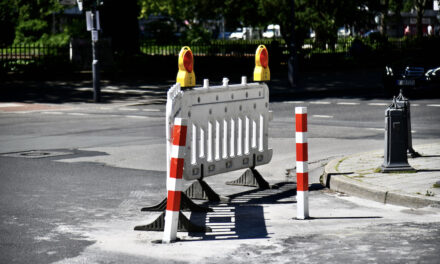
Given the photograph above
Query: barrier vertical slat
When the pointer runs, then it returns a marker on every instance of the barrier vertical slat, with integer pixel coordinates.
(302, 171)
(209, 152)
(240, 134)
(247, 135)
(233, 136)
(261, 133)
(174, 180)
(218, 136)
(193, 144)
(254, 133)
(225, 137)
(202, 153)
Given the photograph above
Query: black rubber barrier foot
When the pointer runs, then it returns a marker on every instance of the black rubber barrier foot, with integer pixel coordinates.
(252, 178)
(155, 208)
(185, 205)
(200, 190)
(184, 225)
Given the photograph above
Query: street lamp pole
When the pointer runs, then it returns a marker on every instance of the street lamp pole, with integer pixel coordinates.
(292, 61)
(95, 62)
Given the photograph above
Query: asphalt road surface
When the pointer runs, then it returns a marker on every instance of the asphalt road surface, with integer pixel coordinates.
(74, 177)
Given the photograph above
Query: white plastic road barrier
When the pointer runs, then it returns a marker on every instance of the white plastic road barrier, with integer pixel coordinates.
(174, 180)
(302, 170)
(227, 127)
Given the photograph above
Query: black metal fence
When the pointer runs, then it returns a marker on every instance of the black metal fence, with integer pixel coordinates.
(16, 56)
(236, 48)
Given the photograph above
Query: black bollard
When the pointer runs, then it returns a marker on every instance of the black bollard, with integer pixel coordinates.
(396, 139)
(402, 101)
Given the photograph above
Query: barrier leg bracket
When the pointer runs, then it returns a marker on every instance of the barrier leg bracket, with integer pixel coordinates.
(252, 178)
(185, 205)
(200, 190)
(184, 225)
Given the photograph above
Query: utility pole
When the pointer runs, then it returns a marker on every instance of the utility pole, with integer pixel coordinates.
(93, 25)
(292, 61)
(95, 62)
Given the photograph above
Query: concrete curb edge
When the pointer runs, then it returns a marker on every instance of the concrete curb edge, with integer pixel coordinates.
(338, 181)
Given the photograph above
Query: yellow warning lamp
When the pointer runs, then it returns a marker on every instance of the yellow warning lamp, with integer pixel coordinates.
(186, 76)
(261, 71)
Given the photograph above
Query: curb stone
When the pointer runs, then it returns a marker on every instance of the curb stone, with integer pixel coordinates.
(338, 181)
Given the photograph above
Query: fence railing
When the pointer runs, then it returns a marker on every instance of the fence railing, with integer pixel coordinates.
(215, 48)
(15, 56)
(25, 54)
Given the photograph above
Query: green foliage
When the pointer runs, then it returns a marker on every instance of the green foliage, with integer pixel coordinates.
(29, 31)
(197, 34)
(34, 18)
(56, 39)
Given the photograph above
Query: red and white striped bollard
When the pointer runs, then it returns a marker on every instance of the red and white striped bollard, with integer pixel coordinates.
(174, 179)
(302, 170)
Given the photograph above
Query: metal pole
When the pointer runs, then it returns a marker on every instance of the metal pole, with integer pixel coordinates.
(292, 62)
(95, 62)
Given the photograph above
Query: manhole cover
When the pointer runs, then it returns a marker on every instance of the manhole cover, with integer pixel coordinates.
(36, 154)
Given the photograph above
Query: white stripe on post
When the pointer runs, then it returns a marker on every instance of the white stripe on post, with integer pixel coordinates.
(302, 170)
(174, 180)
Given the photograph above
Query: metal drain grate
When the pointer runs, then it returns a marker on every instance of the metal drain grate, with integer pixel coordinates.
(36, 154)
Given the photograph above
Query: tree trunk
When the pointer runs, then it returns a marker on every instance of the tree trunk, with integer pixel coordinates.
(420, 6)
(384, 22)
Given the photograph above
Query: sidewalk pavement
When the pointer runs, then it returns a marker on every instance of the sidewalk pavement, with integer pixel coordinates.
(358, 175)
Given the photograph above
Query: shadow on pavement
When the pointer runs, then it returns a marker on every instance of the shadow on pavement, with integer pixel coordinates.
(363, 84)
(243, 216)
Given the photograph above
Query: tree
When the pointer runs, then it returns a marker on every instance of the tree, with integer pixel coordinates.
(397, 7)
(119, 22)
(34, 19)
(420, 7)
(8, 21)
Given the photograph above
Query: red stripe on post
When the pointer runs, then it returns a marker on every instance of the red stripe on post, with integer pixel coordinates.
(173, 201)
(302, 181)
(179, 135)
(302, 152)
(176, 168)
(301, 122)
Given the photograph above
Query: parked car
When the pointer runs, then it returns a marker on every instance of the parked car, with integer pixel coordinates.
(371, 32)
(410, 77)
(272, 31)
(245, 33)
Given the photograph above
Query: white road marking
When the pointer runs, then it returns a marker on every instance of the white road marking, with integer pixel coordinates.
(434, 105)
(135, 116)
(53, 113)
(378, 104)
(10, 105)
(415, 105)
(127, 109)
(78, 114)
(321, 102)
(376, 129)
(294, 102)
(151, 110)
(322, 116)
(347, 103)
